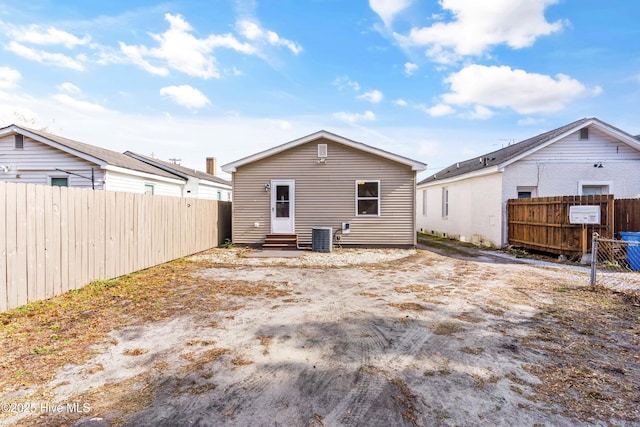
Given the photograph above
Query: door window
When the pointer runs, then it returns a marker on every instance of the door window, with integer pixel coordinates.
(282, 201)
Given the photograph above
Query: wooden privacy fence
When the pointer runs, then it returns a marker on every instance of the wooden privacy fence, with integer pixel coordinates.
(627, 215)
(542, 223)
(54, 239)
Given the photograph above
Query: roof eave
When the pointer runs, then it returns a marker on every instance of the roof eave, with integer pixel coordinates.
(233, 166)
(17, 129)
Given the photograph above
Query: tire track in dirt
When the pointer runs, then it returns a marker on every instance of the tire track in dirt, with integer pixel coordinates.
(372, 381)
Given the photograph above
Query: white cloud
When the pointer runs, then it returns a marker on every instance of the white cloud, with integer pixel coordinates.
(438, 110)
(501, 87)
(373, 96)
(355, 117)
(410, 68)
(34, 34)
(186, 96)
(9, 78)
(429, 148)
(530, 121)
(68, 87)
(477, 26)
(343, 82)
(46, 58)
(135, 55)
(182, 51)
(400, 102)
(252, 31)
(480, 112)
(77, 104)
(387, 9)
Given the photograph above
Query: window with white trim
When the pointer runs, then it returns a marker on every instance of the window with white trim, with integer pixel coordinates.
(526, 192)
(368, 198)
(445, 202)
(424, 202)
(59, 181)
(589, 188)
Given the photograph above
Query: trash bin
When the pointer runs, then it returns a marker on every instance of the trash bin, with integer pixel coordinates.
(633, 249)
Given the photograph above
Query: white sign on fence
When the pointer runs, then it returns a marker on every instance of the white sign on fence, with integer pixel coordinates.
(584, 214)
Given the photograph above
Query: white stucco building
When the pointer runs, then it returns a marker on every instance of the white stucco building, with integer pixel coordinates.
(467, 200)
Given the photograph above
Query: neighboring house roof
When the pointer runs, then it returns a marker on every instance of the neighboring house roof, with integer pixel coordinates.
(98, 155)
(415, 165)
(514, 152)
(181, 171)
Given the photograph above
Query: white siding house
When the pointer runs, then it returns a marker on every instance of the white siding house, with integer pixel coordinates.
(468, 199)
(35, 157)
(201, 185)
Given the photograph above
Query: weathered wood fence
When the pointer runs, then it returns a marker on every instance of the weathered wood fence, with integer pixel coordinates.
(54, 239)
(627, 215)
(542, 223)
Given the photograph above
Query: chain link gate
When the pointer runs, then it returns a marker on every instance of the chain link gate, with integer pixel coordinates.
(616, 263)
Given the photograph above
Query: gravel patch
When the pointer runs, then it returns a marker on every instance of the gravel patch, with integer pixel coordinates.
(336, 258)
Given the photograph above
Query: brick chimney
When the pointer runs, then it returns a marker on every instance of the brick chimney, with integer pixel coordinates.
(211, 165)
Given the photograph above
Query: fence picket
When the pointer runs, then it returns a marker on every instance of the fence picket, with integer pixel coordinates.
(4, 304)
(55, 239)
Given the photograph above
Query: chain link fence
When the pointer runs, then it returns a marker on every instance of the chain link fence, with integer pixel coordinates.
(616, 263)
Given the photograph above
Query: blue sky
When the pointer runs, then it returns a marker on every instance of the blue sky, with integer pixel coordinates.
(437, 81)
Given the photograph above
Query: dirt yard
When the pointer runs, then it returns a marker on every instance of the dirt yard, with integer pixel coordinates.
(429, 339)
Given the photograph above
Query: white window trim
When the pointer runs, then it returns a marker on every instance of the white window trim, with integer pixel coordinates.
(153, 188)
(322, 151)
(595, 183)
(530, 188)
(445, 202)
(424, 202)
(379, 198)
(52, 177)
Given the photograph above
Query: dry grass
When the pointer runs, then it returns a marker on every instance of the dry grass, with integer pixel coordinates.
(265, 341)
(408, 306)
(593, 339)
(447, 328)
(470, 350)
(135, 351)
(38, 338)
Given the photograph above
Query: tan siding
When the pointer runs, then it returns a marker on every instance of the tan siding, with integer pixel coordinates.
(325, 195)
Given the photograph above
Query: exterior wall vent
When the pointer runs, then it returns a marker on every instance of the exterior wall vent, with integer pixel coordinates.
(18, 141)
(321, 239)
(322, 151)
(584, 133)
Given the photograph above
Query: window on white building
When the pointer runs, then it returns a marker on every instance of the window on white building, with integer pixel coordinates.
(424, 202)
(59, 181)
(445, 202)
(589, 188)
(527, 192)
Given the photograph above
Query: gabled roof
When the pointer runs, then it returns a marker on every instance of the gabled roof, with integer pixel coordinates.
(181, 171)
(514, 152)
(91, 153)
(323, 134)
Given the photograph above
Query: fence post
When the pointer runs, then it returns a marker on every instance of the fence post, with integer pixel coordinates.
(594, 258)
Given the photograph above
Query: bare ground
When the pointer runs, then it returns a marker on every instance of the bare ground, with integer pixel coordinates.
(432, 339)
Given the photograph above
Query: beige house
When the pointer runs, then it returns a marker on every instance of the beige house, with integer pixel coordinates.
(366, 195)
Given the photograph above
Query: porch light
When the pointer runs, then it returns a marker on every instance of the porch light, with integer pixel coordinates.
(267, 186)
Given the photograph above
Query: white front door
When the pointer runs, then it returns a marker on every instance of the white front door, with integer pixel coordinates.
(282, 206)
